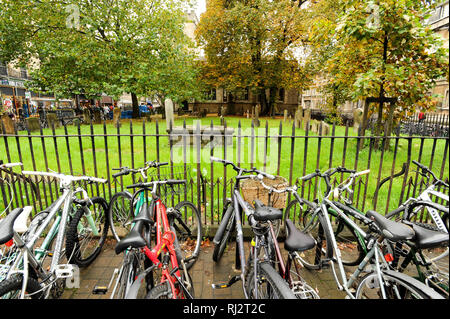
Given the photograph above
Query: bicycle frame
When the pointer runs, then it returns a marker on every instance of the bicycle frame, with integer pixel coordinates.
(425, 196)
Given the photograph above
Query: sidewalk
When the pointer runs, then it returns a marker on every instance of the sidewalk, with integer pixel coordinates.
(204, 273)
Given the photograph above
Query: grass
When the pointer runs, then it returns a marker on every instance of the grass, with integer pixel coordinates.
(86, 150)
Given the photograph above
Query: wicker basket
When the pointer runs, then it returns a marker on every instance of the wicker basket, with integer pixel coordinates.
(252, 189)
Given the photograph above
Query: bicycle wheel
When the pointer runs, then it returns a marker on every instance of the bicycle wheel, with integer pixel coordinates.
(395, 288)
(120, 214)
(128, 272)
(347, 240)
(315, 225)
(161, 291)
(221, 243)
(188, 228)
(269, 285)
(11, 288)
(82, 244)
(300, 288)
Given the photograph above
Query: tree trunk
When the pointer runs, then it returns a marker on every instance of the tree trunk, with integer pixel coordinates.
(379, 126)
(265, 107)
(389, 124)
(272, 96)
(135, 104)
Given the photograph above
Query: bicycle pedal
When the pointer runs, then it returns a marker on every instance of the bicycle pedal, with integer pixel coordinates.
(99, 290)
(64, 271)
(220, 286)
(228, 284)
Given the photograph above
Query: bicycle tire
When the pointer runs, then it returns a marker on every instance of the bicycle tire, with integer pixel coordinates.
(219, 248)
(13, 285)
(351, 250)
(161, 291)
(299, 286)
(81, 248)
(120, 214)
(189, 232)
(130, 265)
(276, 287)
(404, 284)
(317, 228)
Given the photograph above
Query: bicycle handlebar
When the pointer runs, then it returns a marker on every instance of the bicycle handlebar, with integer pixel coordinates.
(168, 182)
(426, 170)
(241, 170)
(9, 165)
(126, 170)
(70, 177)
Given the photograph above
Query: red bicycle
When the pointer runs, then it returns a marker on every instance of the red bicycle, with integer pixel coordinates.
(161, 247)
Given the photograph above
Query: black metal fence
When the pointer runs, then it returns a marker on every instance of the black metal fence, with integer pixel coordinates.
(283, 149)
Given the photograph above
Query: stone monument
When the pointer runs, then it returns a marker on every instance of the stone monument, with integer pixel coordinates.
(168, 108)
(357, 119)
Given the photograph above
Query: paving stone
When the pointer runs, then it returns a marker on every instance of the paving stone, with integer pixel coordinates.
(204, 273)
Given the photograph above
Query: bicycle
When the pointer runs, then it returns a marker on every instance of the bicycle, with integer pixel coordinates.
(120, 213)
(295, 243)
(155, 242)
(380, 281)
(259, 278)
(28, 274)
(425, 253)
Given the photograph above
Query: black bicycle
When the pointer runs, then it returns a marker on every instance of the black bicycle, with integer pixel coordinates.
(259, 278)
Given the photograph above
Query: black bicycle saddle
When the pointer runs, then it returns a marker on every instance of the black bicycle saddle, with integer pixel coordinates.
(264, 213)
(7, 225)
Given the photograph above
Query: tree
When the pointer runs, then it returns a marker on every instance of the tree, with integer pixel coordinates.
(107, 46)
(384, 50)
(253, 43)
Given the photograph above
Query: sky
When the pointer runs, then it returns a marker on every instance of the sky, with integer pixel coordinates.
(201, 7)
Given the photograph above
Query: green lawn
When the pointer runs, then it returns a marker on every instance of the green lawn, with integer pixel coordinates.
(132, 153)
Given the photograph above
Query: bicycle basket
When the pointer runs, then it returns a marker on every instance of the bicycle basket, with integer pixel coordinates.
(252, 189)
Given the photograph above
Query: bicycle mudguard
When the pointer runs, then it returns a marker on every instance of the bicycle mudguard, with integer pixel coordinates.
(223, 224)
(430, 292)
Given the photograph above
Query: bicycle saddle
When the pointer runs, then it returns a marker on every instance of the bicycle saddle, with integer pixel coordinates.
(7, 224)
(133, 239)
(297, 240)
(265, 213)
(427, 238)
(390, 229)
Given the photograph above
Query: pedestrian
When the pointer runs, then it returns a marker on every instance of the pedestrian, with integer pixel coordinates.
(422, 116)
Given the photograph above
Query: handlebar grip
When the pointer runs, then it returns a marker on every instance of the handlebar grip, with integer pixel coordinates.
(420, 165)
(124, 172)
(8, 165)
(216, 159)
(175, 181)
(309, 176)
(136, 185)
(367, 171)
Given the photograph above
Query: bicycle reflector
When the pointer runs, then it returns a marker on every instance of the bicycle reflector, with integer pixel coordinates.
(9, 243)
(389, 257)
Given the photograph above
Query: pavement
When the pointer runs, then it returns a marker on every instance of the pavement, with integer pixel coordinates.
(204, 273)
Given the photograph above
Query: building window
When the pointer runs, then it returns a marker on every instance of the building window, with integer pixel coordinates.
(210, 95)
(23, 73)
(281, 95)
(242, 94)
(3, 69)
